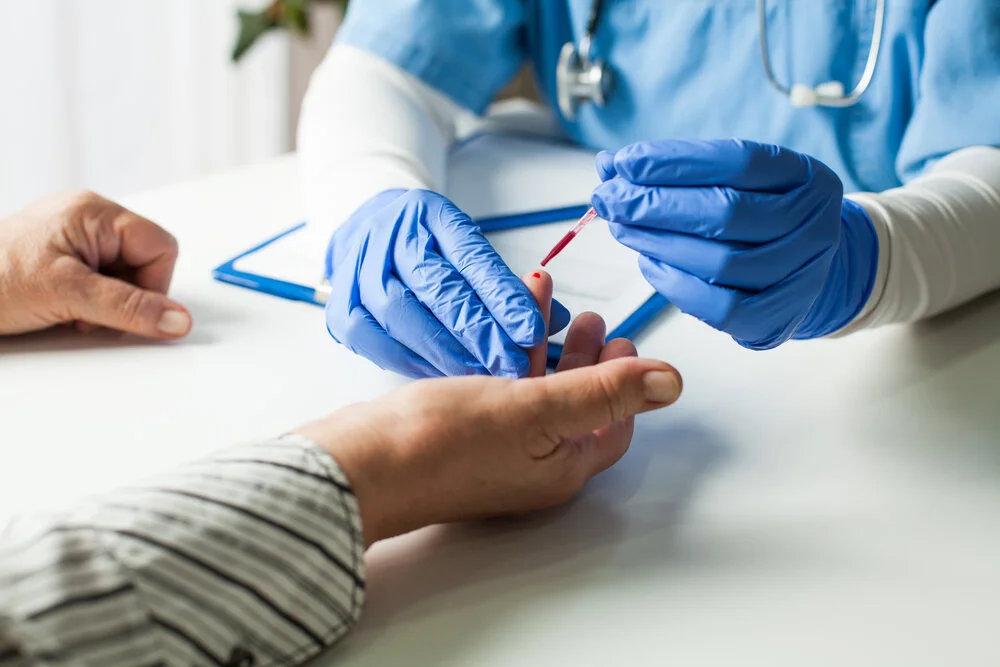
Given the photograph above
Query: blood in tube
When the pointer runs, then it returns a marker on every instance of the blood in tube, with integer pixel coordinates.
(587, 218)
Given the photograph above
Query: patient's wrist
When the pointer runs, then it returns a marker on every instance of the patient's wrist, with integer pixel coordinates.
(363, 448)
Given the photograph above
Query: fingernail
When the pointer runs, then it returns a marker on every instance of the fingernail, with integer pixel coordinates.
(174, 323)
(661, 386)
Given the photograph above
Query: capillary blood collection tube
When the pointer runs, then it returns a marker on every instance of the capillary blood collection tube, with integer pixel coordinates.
(585, 220)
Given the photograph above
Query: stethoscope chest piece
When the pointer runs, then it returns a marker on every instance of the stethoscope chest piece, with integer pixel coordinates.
(580, 79)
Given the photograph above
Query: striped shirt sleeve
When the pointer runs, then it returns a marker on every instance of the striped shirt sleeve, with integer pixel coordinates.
(251, 557)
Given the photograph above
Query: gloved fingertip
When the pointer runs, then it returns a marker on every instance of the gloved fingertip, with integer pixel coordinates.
(605, 163)
(559, 317)
(597, 201)
(628, 159)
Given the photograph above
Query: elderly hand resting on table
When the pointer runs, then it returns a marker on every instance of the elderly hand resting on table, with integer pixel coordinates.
(79, 258)
(461, 448)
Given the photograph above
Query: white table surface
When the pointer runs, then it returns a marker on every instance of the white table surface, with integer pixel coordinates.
(828, 503)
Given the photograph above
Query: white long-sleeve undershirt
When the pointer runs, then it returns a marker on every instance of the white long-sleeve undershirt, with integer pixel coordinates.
(368, 126)
(939, 239)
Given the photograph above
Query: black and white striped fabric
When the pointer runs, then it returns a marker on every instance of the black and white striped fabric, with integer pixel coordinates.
(253, 556)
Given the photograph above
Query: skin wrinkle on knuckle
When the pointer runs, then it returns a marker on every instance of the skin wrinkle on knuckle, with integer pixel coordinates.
(74, 240)
(612, 399)
(533, 411)
(131, 308)
(104, 236)
(549, 435)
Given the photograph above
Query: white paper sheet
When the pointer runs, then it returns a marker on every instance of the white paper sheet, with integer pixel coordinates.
(297, 258)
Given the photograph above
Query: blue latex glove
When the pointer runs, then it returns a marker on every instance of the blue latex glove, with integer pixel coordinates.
(417, 288)
(755, 240)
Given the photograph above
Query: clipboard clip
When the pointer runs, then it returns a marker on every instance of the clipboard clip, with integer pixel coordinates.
(322, 292)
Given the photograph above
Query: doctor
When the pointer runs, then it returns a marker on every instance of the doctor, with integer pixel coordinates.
(894, 103)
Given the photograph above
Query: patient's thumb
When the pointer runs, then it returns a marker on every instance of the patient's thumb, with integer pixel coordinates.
(116, 304)
(588, 398)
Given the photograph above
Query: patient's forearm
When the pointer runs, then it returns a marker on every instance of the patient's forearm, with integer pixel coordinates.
(252, 556)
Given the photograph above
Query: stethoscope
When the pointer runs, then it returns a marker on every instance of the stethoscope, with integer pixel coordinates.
(581, 78)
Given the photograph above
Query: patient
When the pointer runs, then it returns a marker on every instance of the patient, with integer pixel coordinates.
(256, 554)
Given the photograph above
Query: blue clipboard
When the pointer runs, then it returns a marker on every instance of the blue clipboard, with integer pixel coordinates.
(316, 294)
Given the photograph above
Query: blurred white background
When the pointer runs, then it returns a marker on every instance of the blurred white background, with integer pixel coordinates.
(123, 95)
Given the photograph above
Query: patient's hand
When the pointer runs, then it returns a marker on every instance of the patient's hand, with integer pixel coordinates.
(80, 258)
(460, 448)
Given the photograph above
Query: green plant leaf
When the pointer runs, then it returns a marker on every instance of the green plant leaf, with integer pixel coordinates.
(296, 17)
(291, 15)
(253, 25)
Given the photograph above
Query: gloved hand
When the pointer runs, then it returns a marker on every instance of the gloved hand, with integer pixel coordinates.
(417, 288)
(755, 240)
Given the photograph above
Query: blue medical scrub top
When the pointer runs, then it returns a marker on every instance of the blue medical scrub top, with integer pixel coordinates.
(692, 69)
